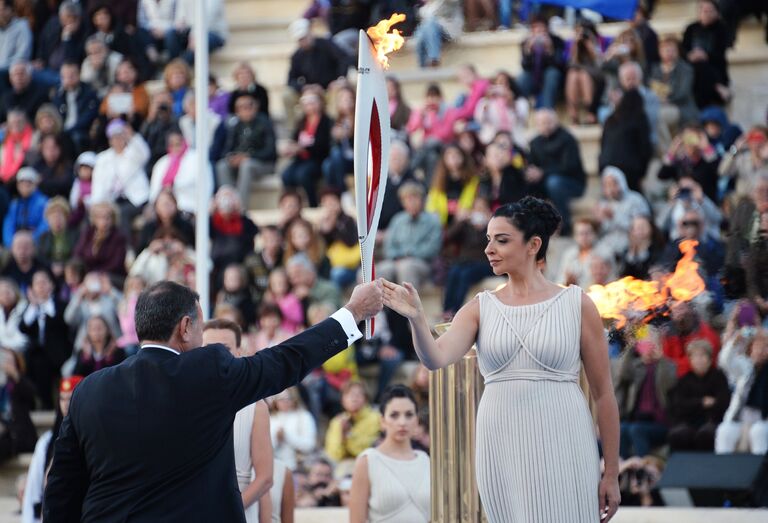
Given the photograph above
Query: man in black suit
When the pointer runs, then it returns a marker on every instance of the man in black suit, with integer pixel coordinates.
(151, 439)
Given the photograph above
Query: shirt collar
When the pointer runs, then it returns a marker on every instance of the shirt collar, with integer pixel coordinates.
(155, 346)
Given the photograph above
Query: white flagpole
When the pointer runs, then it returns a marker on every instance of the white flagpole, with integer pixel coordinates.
(202, 240)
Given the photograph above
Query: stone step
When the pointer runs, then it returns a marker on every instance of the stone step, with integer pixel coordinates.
(264, 9)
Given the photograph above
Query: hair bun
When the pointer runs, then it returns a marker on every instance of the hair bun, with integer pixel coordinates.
(544, 211)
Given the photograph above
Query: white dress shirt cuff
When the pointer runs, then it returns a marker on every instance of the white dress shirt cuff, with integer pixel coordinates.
(347, 322)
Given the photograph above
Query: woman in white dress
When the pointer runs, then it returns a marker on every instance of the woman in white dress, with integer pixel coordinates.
(537, 458)
(390, 483)
(253, 448)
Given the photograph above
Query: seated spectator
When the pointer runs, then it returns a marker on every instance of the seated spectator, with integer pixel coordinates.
(178, 172)
(166, 215)
(356, 428)
(23, 263)
(165, 252)
(15, 145)
(685, 327)
(15, 37)
(435, 128)
(279, 292)
(118, 174)
(745, 362)
(399, 110)
(720, 132)
(49, 342)
(339, 233)
(319, 489)
(542, 63)
(469, 264)
(159, 121)
(98, 349)
(55, 246)
(574, 262)
(345, 20)
(232, 232)
(54, 168)
(648, 37)
(25, 93)
(475, 87)
(744, 160)
(412, 240)
(686, 194)
(339, 164)
(126, 314)
(294, 431)
(102, 246)
(235, 291)
(697, 402)
(439, 21)
(177, 77)
(80, 194)
(616, 209)
(306, 284)
(18, 395)
(625, 48)
(301, 238)
(218, 99)
(645, 378)
(626, 140)
(757, 257)
(583, 79)
(744, 224)
(309, 147)
(269, 333)
(317, 61)
(155, 20)
(393, 459)
(180, 41)
(127, 98)
(644, 248)
(400, 173)
(502, 109)
(62, 40)
(290, 204)
(100, 64)
(95, 297)
(246, 83)
(26, 212)
(631, 77)
(454, 185)
(12, 306)
(249, 149)
(601, 266)
(672, 81)
(710, 252)
(555, 164)
(217, 131)
(503, 180)
(261, 263)
(705, 43)
(49, 121)
(106, 23)
(692, 155)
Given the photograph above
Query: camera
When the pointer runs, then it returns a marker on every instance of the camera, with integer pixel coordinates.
(684, 193)
(164, 108)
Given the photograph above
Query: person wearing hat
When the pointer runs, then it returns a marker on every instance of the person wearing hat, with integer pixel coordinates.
(56, 245)
(316, 61)
(747, 157)
(80, 194)
(118, 174)
(32, 504)
(26, 211)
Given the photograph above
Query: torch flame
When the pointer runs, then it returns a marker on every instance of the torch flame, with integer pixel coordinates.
(622, 299)
(385, 42)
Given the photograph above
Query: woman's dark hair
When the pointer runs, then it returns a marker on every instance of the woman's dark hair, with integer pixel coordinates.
(434, 90)
(270, 309)
(396, 391)
(533, 217)
(110, 335)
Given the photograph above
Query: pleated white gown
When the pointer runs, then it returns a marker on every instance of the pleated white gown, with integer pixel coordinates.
(537, 459)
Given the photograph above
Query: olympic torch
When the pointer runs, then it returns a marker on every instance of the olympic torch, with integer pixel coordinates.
(372, 130)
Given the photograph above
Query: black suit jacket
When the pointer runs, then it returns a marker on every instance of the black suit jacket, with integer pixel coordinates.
(150, 440)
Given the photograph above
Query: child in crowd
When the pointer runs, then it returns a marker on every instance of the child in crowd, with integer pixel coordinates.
(279, 292)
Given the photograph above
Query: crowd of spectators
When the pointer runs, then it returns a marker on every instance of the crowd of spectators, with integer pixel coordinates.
(99, 182)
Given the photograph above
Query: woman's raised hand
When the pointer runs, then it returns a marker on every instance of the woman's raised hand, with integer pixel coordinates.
(403, 299)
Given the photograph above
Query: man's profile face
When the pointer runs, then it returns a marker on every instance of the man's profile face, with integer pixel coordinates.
(224, 336)
(194, 337)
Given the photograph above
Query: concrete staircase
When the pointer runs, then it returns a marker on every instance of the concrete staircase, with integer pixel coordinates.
(259, 35)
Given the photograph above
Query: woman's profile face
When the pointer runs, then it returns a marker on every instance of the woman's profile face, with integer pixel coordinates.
(399, 421)
(507, 249)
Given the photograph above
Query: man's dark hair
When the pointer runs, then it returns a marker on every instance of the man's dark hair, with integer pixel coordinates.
(161, 307)
(224, 324)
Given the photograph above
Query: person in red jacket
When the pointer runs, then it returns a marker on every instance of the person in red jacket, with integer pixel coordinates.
(685, 327)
